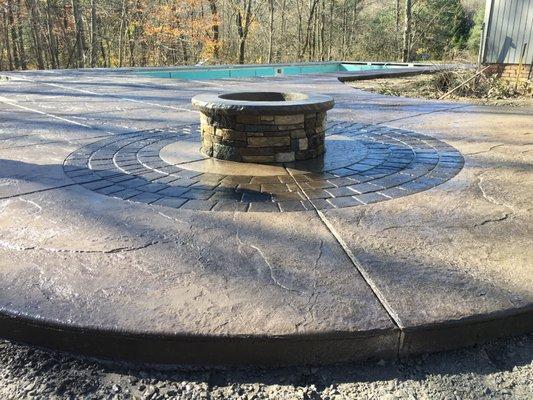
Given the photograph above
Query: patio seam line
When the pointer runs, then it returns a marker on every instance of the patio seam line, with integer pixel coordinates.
(393, 316)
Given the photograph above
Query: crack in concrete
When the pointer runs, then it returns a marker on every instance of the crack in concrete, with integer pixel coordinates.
(487, 221)
(125, 249)
(487, 151)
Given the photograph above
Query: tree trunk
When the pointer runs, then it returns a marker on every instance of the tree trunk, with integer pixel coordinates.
(309, 26)
(22, 51)
(80, 33)
(283, 26)
(406, 56)
(54, 56)
(215, 29)
(122, 32)
(271, 33)
(7, 40)
(344, 29)
(330, 33)
(34, 19)
(13, 32)
(241, 51)
(94, 34)
(243, 27)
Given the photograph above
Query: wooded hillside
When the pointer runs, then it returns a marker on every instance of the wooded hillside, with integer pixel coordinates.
(126, 33)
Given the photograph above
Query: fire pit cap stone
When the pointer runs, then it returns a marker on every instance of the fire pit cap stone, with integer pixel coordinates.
(262, 103)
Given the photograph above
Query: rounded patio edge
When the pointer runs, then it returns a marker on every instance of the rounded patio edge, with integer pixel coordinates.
(163, 350)
(209, 103)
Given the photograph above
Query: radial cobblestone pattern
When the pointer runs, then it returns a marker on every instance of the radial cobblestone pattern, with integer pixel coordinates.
(363, 164)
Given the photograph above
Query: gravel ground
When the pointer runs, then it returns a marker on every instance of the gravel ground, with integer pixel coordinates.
(499, 370)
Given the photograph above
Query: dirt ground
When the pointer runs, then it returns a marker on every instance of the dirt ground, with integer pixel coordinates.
(502, 369)
(422, 86)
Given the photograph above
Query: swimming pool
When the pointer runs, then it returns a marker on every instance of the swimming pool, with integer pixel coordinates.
(250, 71)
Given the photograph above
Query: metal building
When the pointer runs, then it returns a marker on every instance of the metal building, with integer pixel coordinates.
(508, 32)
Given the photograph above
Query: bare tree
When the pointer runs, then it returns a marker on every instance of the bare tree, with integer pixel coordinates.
(215, 29)
(80, 33)
(271, 30)
(244, 19)
(406, 53)
(94, 34)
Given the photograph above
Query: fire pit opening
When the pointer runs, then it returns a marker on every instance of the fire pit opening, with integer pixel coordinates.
(263, 96)
(263, 127)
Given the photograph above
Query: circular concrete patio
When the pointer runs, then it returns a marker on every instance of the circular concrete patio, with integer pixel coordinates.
(119, 239)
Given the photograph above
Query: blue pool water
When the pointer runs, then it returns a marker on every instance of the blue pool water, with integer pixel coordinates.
(250, 71)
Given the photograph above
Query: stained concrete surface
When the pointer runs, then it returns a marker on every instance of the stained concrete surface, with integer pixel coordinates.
(397, 276)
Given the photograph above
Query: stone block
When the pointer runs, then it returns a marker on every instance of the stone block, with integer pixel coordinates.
(226, 152)
(230, 134)
(223, 121)
(207, 129)
(259, 159)
(267, 118)
(285, 157)
(295, 144)
(289, 119)
(277, 134)
(204, 119)
(233, 143)
(256, 128)
(248, 119)
(310, 125)
(303, 144)
(258, 151)
(298, 134)
(207, 150)
(268, 141)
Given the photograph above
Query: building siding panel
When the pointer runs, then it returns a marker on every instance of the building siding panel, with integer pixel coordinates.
(508, 25)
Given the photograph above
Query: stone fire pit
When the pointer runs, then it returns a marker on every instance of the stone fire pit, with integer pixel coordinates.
(263, 127)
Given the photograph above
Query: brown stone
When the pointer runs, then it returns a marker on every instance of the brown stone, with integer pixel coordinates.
(285, 157)
(259, 158)
(248, 119)
(234, 143)
(207, 129)
(258, 151)
(268, 141)
(298, 134)
(204, 119)
(255, 128)
(289, 119)
(230, 134)
(223, 121)
(310, 125)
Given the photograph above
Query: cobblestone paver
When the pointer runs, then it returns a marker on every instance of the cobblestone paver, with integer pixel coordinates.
(364, 164)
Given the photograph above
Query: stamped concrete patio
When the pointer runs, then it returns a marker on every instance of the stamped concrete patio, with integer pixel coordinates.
(118, 239)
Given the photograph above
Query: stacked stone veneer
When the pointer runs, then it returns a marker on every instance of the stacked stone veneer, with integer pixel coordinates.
(263, 138)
